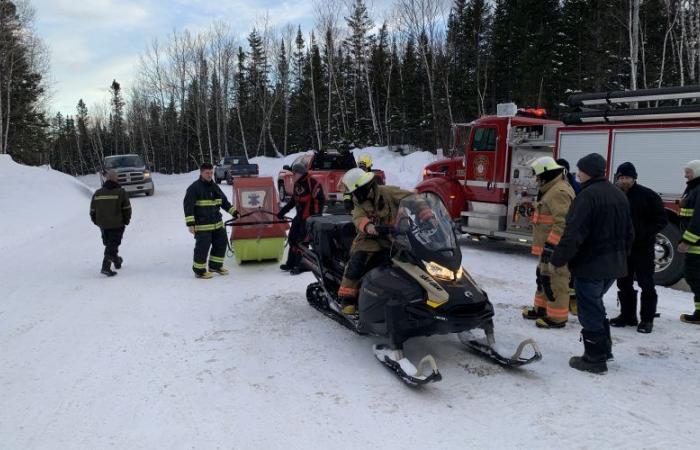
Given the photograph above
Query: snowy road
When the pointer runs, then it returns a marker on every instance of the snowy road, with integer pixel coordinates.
(154, 358)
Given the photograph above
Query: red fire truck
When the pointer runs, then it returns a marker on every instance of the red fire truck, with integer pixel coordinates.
(488, 186)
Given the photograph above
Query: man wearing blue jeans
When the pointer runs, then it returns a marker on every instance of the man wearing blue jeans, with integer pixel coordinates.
(597, 239)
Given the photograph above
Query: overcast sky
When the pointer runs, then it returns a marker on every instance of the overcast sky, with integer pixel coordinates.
(95, 41)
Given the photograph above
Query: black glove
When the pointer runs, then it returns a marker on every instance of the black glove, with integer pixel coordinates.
(280, 215)
(547, 253)
(236, 214)
(349, 205)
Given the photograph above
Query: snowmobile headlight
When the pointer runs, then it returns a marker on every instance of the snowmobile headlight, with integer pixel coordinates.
(460, 273)
(438, 271)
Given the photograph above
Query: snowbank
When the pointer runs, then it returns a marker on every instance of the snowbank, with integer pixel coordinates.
(37, 199)
(403, 171)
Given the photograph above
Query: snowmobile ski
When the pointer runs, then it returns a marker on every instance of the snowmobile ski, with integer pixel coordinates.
(483, 347)
(412, 375)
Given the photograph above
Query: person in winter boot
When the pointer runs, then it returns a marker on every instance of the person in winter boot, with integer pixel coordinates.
(690, 240)
(308, 199)
(648, 218)
(110, 210)
(554, 198)
(374, 204)
(596, 242)
(202, 202)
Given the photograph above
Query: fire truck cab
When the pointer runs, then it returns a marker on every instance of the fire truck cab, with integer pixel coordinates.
(487, 185)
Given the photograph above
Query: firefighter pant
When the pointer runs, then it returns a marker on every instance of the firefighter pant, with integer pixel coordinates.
(365, 254)
(204, 240)
(640, 266)
(553, 293)
(692, 276)
(112, 239)
(297, 234)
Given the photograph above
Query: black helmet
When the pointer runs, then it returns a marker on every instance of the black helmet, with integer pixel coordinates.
(299, 168)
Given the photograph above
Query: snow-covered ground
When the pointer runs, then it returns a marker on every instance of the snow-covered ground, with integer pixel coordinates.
(154, 358)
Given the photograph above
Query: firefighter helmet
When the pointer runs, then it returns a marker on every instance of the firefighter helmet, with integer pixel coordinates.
(356, 178)
(544, 164)
(365, 162)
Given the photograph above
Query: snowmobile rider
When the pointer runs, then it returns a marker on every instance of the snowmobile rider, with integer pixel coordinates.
(364, 163)
(690, 240)
(110, 210)
(648, 218)
(374, 204)
(597, 239)
(308, 199)
(202, 202)
(554, 199)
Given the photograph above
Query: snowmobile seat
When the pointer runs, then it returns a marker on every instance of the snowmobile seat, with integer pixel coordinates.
(331, 236)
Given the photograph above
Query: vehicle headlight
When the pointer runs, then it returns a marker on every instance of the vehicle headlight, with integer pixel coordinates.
(147, 175)
(443, 273)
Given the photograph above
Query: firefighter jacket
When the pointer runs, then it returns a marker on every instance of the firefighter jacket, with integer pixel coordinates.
(308, 198)
(549, 218)
(202, 203)
(110, 207)
(690, 216)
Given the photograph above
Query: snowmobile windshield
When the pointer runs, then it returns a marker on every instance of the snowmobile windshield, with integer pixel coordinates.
(424, 225)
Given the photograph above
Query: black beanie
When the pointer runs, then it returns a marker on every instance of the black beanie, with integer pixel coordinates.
(564, 163)
(626, 169)
(592, 165)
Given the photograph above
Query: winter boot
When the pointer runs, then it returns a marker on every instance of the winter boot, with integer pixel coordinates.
(691, 318)
(547, 323)
(204, 275)
(609, 354)
(285, 267)
(348, 305)
(221, 270)
(534, 313)
(628, 310)
(107, 267)
(648, 311)
(594, 355)
(296, 270)
(117, 260)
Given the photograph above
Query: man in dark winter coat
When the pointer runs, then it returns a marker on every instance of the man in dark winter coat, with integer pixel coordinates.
(110, 210)
(690, 240)
(596, 242)
(202, 203)
(308, 199)
(648, 218)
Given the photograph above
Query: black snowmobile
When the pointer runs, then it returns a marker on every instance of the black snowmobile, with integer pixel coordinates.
(419, 289)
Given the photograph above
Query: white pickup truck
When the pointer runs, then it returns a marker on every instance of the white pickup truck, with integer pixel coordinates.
(133, 174)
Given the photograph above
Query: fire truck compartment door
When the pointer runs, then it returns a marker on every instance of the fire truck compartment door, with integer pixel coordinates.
(574, 145)
(658, 155)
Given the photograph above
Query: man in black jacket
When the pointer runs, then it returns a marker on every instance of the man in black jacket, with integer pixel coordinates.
(308, 199)
(690, 240)
(596, 241)
(648, 218)
(203, 218)
(110, 210)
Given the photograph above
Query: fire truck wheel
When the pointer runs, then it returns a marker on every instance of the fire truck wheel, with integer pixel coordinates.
(669, 263)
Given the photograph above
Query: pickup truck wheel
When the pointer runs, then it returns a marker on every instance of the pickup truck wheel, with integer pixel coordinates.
(669, 263)
(150, 192)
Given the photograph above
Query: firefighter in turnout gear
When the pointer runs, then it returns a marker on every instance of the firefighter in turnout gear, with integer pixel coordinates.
(202, 202)
(308, 198)
(690, 239)
(110, 210)
(551, 309)
(374, 204)
(364, 163)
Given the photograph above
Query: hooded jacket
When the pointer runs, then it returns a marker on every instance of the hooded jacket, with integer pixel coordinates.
(110, 207)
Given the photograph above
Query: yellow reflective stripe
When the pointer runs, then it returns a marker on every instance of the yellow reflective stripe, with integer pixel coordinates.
(216, 259)
(687, 212)
(232, 211)
(209, 227)
(690, 237)
(694, 249)
(107, 197)
(216, 202)
(199, 265)
(189, 220)
(697, 305)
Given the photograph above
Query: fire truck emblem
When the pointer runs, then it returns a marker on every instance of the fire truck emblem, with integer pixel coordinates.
(481, 167)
